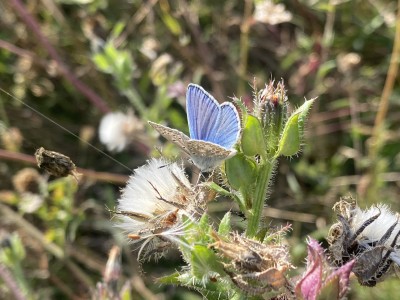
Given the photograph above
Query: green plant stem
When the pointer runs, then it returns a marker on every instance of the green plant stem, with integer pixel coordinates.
(136, 101)
(244, 46)
(260, 193)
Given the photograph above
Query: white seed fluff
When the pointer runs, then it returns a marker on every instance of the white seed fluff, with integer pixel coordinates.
(379, 227)
(117, 129)
(143, 191)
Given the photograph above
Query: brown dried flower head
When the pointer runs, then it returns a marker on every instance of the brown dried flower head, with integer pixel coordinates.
(254, 267)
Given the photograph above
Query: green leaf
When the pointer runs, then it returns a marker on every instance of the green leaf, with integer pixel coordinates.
(101, 62)
(117, 30)
(170, 279)
(205, 263)
(330, 290)
(203, 223)
(172, 24)
(240, 171)
(290, 141)
(226, 193)
(252, 137)
(218, 189)
(225, 225)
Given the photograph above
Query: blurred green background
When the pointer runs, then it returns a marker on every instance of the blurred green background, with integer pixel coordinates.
(64, 64)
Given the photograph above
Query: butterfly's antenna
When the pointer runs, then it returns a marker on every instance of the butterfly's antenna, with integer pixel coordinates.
(166, 165)
(65, 129)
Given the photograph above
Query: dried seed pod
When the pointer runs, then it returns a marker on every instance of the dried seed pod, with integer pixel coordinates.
(55, 163)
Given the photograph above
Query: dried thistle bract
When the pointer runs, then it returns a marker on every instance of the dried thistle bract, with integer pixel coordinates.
(254, 267)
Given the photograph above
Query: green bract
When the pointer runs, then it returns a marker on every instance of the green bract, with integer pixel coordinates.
(290, 141)
(252, 137)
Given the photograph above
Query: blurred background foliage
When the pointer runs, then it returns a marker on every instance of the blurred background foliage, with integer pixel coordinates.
(75, 60)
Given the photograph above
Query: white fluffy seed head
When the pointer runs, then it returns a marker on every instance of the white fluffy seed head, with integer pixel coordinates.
(117, 129)
(151, 193)
(378, 228)
(270, 13)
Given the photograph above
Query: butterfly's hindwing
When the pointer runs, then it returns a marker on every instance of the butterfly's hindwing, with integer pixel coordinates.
(209, 121)
(202, 148)
(207, 155)
(227, 129)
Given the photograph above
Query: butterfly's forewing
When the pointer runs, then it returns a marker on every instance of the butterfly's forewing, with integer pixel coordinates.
(172, 135)
(202, 112)
(209, 121)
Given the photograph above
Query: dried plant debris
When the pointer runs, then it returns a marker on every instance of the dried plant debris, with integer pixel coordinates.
(369, 236)
(56, 164)
(254, 267)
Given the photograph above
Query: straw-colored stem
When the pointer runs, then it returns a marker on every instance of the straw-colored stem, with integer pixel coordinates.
(90, 174)
(388, 88)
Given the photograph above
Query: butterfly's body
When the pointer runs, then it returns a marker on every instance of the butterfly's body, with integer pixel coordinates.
(214, 129)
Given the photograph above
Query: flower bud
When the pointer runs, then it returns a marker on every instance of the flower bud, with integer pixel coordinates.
(271, 109)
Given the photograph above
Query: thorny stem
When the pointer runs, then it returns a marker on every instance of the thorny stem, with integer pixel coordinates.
(65, 71)
(244, 46)
(265, 174)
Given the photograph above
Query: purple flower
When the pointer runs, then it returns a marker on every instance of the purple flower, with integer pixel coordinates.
(320, 278)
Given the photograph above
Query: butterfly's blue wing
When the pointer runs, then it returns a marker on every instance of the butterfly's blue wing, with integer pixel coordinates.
(226, 130)
(209, 121)
(202, 112)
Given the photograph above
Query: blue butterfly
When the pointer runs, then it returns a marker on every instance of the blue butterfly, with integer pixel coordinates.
(214, 129)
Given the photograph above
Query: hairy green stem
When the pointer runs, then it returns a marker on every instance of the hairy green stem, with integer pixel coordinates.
(265, 174)
(136, 101)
